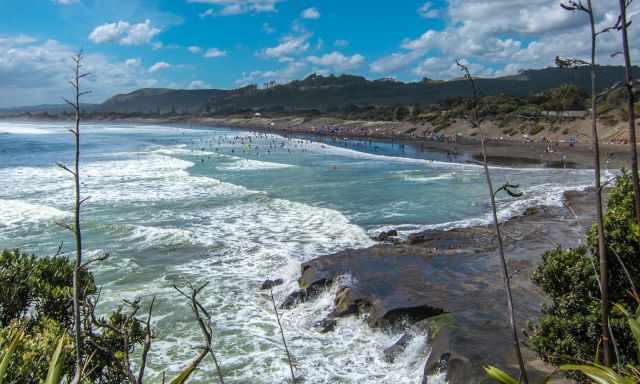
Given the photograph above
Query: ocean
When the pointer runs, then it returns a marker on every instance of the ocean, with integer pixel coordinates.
(177, 204)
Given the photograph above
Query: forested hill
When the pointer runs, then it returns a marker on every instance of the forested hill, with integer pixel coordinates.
(327, 93)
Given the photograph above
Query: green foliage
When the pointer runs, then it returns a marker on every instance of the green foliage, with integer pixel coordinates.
(569, 327)
(500, 376)
(564, 98)
(401, 113)
(30, 362)
(41, 287)
(38, 301)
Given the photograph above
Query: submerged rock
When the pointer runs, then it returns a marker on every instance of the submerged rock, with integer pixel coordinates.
(293, 298)
(268, 284)
(390, 353)
(326, 325)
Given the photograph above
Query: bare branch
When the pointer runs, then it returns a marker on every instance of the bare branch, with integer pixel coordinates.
(73, 105)
(205, 326)
(102, 257)
(64, 167)
(147, 342)
(59, 251)
(64, 225)
(284, 341)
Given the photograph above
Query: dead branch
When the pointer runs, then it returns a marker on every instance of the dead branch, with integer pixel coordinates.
(503, 260)
(284, 340)
(205, 326)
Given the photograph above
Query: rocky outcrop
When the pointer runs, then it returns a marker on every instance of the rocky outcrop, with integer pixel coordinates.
(448, 283)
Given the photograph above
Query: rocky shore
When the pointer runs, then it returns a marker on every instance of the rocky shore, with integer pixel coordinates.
(448, 285)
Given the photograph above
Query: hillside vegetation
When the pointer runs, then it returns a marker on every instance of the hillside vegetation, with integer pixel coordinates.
(332, 93)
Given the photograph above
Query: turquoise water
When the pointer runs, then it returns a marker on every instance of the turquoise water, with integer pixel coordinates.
(233, 208)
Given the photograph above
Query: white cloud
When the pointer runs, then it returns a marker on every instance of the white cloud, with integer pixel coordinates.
(199, 84)
(236, 7)
(133, 62)
(289, 46)
(501, 37)
(194, 49)
(124, 33)
(293, 70)
(157, 45)
(159, 66)
(214, 53)
(65, 2)
(338, 61)
(395, 62)
(310, 13)
(7, 41)
(340, 43)
(427, 11)
(36, 72)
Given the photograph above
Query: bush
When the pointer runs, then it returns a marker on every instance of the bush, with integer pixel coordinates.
(41, 287)
(37, 297)
(569, 327)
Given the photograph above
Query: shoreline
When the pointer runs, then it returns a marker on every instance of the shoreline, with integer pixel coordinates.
(460, 273)
(502, 151)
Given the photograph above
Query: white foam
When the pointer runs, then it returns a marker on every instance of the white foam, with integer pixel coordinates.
(547, 195)
(24, 129)
(252, 165)
(143, 178)
(19, 212)
(144, 236)
(419, 177)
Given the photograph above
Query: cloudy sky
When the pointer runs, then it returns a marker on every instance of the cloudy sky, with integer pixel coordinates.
(131, 44)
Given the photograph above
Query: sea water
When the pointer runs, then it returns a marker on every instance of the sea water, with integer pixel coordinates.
(174, 204)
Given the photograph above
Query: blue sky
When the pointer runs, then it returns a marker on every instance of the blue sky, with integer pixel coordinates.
(229, 43)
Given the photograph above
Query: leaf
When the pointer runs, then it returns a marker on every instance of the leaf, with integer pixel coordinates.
(6, 357)
(55, 365)
(184, 375)
(599, 374)
(499, 375)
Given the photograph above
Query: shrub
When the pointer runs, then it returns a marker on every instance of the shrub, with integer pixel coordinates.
(37, 298)
(570, 327)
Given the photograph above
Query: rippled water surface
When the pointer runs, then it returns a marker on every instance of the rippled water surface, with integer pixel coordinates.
(232, 208)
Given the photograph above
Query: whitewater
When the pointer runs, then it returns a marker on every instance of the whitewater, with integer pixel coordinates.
(176, 204)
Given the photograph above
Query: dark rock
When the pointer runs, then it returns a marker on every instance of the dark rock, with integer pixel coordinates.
(345, 303)
(326, 325)
(389, 235)
(391, 352)
(416, 238)
(294, 298)
(268, 284)
(530, 211)
(455, 272)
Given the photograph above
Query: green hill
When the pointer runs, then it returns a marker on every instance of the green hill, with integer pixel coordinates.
(326, 93)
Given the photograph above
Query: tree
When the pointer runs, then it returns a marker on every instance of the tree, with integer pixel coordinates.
(573, 6)
(401, 113)
(75, 227)
(475, 122)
